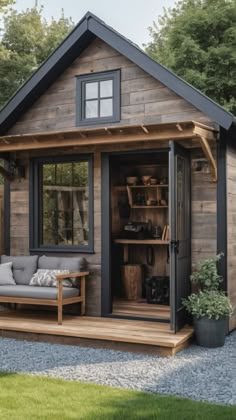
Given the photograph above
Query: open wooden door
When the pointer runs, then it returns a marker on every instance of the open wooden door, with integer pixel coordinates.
(180, 232)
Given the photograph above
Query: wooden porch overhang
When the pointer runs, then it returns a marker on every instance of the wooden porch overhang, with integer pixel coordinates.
(188, 131)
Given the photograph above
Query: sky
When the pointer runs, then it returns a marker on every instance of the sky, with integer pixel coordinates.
(130, 17)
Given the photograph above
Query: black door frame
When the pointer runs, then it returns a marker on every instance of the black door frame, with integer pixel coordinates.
(178, 315)
(106, 298)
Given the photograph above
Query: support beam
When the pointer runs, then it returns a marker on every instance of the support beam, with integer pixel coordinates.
(208, 153)
(19, 143)
(108, 131)
(144, 129)
(179, 127)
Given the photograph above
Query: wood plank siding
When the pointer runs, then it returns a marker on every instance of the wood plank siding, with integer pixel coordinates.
(204, 199)
(231, 228)
(143, 100)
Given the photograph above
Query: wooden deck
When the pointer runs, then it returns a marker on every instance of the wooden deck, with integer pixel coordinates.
(126, 335)
(140, 309)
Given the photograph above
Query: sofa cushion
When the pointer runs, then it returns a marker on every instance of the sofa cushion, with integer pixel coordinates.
(36, 292)
(6, 275)
(47, 278)
(23, 267)
(72, 264)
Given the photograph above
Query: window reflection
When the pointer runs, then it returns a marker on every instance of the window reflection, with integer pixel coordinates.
(65, 203)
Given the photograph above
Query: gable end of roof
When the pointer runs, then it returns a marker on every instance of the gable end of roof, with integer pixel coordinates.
(80, 37)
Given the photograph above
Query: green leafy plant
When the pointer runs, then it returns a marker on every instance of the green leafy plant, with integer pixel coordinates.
(213, 304)
(206, 275)
(209, 301)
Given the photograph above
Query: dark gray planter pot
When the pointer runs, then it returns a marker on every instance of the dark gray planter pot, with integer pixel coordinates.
(210, 332)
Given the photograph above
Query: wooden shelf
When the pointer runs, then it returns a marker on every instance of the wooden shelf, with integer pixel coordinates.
(141, 241)
(149, 207)
(149, 186)
(130, 190)
(122, 187)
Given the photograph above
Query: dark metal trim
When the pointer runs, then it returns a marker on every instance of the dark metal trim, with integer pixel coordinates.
(138, 318)
(106, 304)
(106, 301)
(34, 203)
(82, 35)
(7, 215)
(222, 205)
(80, 97)
(58, 249)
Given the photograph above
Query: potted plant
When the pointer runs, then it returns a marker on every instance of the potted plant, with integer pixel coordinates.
(209, 306)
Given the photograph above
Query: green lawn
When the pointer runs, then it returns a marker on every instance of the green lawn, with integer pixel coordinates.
(26, 397)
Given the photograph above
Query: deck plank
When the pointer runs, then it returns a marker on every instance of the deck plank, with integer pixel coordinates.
(152, 334)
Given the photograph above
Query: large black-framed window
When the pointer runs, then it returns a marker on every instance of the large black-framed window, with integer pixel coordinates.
(61, 204)
(98, 98)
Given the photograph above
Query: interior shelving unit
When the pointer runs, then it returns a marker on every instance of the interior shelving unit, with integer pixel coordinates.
(132, 188)
(147, 203)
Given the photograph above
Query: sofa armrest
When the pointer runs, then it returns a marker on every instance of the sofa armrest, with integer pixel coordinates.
(61, 277)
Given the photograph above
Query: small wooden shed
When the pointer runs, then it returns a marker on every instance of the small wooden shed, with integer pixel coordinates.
(125, 163)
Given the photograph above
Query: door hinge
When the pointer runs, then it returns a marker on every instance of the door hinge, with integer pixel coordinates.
(175, 245)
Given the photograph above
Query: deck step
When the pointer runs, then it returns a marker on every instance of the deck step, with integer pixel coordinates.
(126, 335)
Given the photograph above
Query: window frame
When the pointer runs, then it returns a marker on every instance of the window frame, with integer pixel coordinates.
(35, 210)
(81, 80)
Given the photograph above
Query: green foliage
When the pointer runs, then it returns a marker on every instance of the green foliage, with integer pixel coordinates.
(4, 5)
(209, 303)
(197, 40)
(206, 276)
(27, 41)
(26, 397)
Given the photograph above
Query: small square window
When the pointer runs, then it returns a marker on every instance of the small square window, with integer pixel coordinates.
(106, 107)
(98, 98)
(91, 90)
(91, 109)
(106, 89)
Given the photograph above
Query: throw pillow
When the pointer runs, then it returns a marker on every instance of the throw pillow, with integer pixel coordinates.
(47, 278)
(6, 275)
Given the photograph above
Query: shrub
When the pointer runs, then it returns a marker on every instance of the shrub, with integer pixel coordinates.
(206, 275)
(210, 303)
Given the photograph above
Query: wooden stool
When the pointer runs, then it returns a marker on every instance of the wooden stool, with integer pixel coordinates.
(132, 276)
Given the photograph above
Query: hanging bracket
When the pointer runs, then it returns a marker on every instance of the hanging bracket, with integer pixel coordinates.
(204, 136)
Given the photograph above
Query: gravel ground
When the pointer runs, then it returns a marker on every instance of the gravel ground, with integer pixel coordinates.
(196, 373)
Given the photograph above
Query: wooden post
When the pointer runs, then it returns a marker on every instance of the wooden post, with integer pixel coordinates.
(82, 285)
(126, 253)
(59, 299)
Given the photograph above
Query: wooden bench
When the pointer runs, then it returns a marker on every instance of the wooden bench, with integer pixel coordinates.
(59, 301)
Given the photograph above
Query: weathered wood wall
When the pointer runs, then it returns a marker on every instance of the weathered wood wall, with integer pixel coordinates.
(204, 199)
(203, 217)
(231, 228)
(143, 100)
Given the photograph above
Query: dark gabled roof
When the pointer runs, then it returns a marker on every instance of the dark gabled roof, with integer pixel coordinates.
(81, 36)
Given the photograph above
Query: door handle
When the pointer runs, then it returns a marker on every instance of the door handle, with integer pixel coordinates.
(175, 246)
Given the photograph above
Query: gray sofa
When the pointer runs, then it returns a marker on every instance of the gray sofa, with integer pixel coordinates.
(23, 269)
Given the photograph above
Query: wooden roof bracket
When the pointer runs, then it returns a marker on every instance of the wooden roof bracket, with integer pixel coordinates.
(205, 134)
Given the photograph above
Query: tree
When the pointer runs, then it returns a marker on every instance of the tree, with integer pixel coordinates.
(4, 4)
(197, 40)
(27, 41)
